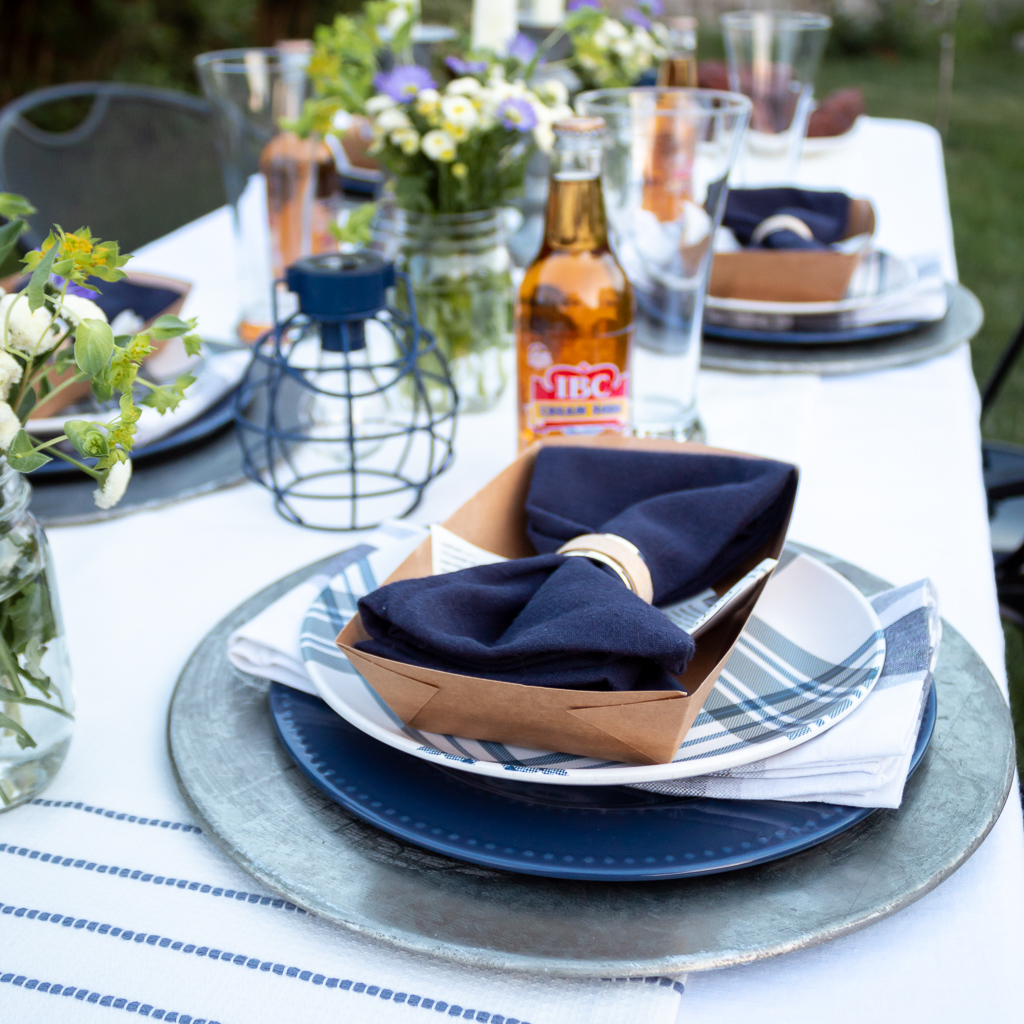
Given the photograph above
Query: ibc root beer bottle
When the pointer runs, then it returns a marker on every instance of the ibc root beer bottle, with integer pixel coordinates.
(574, 316)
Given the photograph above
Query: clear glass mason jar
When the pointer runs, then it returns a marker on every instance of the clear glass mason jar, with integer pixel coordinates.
(36, 701)
(461, 276)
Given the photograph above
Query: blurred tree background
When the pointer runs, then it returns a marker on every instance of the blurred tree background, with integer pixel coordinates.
(46, 42)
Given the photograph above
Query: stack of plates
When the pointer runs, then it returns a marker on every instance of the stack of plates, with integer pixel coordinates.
(560, 815)
(888, 296)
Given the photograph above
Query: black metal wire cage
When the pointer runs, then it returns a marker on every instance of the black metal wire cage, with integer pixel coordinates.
(347, 410)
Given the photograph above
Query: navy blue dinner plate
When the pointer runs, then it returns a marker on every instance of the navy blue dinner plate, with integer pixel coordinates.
(601, 833)
(869, 332)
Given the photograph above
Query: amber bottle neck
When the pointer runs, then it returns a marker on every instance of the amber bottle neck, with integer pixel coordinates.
(576, 220)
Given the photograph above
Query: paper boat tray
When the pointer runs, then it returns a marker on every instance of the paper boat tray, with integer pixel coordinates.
(642, 726)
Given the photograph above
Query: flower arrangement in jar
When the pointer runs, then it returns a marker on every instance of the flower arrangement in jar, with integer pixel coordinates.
(52, 337)
(608, 53)
(456, 153)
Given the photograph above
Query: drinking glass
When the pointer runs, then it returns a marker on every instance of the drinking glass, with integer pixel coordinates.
(270, 175)
(668, 154)
(773, 58)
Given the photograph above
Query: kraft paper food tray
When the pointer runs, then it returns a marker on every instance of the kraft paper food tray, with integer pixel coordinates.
(640, 726)
(792, 275)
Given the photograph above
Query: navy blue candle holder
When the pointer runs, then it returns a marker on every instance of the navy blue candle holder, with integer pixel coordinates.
(347, 410)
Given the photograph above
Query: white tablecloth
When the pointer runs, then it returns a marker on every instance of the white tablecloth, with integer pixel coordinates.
(891, 480)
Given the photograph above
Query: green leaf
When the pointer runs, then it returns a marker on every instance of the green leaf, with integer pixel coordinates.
(192, 344)
(22, 456)
(170, 326)
(9, 234)
(94, 345)
(24, 740)
(102, 390)
(26, 405)
(64, 359)
(88, 438)
(37, 283)
(12, 205)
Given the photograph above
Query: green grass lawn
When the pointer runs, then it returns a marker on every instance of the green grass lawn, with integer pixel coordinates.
(985, 168)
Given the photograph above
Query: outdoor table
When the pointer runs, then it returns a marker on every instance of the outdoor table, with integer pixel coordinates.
(891, 481)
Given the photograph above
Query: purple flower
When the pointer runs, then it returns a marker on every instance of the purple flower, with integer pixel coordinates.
(575, 5)
(73, 289)
(402, 83)
(522, 49)
(637, 18)
(653, 7)
(517, 115)
(466, 67)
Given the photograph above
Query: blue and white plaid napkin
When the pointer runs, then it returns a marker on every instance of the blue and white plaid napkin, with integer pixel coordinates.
(863, 760)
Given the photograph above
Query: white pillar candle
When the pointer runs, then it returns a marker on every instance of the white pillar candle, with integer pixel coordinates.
(495, 24)
(546, 13)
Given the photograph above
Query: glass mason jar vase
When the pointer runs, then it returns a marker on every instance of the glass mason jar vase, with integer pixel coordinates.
(461, 276)
(36, 701)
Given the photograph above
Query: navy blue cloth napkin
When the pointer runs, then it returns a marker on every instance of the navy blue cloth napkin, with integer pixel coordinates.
(825, 213)
(565, 622)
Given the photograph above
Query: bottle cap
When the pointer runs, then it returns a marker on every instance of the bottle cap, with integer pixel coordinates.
(579, 126)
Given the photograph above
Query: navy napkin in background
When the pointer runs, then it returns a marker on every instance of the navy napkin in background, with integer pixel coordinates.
(566, 622)
(825, 213)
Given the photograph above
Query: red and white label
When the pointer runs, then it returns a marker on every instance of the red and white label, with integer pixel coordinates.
(581, 399)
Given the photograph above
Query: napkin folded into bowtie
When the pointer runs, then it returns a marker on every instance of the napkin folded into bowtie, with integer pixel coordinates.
(557, 621)
(862, 761)
(826, 216)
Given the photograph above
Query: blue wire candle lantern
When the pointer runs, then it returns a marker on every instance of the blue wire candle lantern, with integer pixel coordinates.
(347, 410)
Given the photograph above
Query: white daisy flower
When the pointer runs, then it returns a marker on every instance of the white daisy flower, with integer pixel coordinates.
(553, 92)
(427, 101)
(28, 332)
(438, 145)
(378, 104)
(10, 373)
(114, 486)
(458, 110)
(9, 426)
(392, 120)
(407, 140)
(341, 121)
(463, 87)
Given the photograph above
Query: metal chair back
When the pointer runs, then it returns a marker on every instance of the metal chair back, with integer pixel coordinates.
(141, 164)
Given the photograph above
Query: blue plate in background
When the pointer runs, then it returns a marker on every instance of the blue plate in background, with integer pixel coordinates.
(600, 833)
(870, 332)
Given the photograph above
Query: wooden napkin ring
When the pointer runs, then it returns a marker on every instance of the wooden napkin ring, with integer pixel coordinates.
(622, 557)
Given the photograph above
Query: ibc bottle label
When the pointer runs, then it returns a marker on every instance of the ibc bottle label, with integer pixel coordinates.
(581, 399)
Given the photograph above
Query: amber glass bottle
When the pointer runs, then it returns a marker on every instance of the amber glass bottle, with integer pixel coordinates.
(574, 315)
(667, 183)
(679, 68)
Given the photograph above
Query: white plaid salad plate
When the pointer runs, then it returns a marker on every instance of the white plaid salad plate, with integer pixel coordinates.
(810, 654)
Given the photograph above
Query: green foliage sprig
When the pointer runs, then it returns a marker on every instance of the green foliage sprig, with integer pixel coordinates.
(52, 337)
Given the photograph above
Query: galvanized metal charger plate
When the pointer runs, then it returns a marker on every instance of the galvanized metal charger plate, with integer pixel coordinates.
(960, 324)
(255, 803)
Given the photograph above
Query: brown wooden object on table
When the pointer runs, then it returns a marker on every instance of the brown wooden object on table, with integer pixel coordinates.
(76, 392)
(836, 115)
(639, 726)
(792, 275)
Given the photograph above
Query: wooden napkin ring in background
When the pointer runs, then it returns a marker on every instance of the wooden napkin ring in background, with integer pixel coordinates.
(622, 557)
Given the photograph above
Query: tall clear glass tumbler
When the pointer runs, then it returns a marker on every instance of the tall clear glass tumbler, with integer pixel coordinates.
(270, 174)
(668, 154)
(773, 58)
